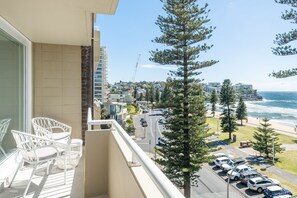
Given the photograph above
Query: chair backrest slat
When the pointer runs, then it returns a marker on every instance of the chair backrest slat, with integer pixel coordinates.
(3, 128)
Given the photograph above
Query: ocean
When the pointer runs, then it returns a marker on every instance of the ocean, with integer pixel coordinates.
(277, 106)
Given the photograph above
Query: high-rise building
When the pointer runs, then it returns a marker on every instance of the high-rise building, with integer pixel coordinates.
(100, 83)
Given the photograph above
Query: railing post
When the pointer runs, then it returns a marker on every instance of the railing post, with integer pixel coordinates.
(134, 162)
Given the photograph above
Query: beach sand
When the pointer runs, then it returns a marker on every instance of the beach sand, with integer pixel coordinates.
(278, 126)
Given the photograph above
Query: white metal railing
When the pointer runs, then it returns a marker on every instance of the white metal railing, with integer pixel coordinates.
(161, 181)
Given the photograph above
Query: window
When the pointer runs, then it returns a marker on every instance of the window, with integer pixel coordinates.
(15, 84)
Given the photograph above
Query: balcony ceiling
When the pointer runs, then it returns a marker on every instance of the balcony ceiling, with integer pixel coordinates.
(55, 21)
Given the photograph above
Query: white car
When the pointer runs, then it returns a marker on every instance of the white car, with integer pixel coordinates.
(240, 169)
(231, 164)
(217, 155)
(221, 160)
(261, 183)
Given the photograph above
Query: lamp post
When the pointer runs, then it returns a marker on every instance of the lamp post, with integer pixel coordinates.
(273, 152)
(228, 183)
(156, 137)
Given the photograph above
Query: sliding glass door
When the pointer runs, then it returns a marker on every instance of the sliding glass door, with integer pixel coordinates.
(12, 91)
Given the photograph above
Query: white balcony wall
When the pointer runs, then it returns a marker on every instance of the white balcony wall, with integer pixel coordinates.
(107, 170)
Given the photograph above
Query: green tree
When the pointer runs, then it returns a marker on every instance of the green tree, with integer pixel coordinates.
(140, 97)
(264, 139)
(241, 111)
(282, 40)
(213, 101)
(152, 94)
(147, 94)
(167, 94)
(184, 32)
(227, 100)
(157, 95)
(135, 92)
(103, 114)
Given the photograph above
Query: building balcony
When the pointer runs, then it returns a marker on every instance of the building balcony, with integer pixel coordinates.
(113, 165)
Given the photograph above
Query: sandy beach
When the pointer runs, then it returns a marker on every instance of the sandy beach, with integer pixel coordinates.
(277, 125)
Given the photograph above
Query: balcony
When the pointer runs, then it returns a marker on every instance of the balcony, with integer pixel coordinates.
(113, 165)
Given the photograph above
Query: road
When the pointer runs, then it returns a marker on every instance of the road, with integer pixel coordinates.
(210, 185)
(148, 135)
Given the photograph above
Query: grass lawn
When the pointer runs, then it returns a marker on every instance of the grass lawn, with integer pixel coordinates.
(244, 133)
(287, 159)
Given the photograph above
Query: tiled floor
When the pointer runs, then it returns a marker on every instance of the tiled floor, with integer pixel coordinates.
(51, 186)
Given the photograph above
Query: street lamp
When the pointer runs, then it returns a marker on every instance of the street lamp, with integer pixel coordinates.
(273, 151)
(156, 137)
(228, 183)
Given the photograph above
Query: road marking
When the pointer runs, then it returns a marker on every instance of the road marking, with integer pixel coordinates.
(151, 128)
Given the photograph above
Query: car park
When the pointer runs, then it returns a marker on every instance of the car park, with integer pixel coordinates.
(246, 176)
(221, 160)
(234, 175)
(231, 164)
(261, 183)
(276, 191)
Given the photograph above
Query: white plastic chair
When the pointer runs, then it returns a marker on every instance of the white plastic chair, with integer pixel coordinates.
(3, 129)
(51, 129)
(35, 150)
(54, 130)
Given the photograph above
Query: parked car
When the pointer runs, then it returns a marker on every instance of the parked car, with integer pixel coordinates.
(141, 120)
(144, 123)
(261, 183)
(161, 141)
(284, 196)
(161, 121)
(276, 191)
(221, 160)
(246, 176)
(217, 155)
(144, 111)
(240, 169)
(231, 164)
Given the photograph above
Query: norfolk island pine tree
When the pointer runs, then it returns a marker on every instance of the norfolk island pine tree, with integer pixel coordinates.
(183, 32)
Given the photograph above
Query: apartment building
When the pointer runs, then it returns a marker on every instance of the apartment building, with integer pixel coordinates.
(100, 79)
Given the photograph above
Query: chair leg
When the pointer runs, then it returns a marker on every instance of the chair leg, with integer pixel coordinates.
(21, 163)
(28, 185)
(2, 150)
(47, 167)
(65, 167)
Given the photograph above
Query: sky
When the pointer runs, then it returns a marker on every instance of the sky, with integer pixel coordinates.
(242, 42)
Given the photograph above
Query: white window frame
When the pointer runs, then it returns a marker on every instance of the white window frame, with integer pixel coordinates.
(13, 32)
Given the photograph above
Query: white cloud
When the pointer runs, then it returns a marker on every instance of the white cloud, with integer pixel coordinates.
(152, 66)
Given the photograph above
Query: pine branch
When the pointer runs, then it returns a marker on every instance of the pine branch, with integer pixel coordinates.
(284, 51)
(290, 15)
(284, 73)
(292, 3)
(282, 39)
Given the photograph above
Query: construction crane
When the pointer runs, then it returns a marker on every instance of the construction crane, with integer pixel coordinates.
(134, 74)
(135, 70)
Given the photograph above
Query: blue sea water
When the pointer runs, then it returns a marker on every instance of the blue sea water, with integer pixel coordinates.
(278, 106)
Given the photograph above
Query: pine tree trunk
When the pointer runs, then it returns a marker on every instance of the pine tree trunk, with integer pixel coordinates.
(241, 122)
(229, 120)
(187, 185)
